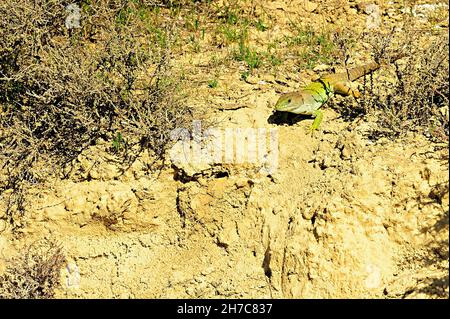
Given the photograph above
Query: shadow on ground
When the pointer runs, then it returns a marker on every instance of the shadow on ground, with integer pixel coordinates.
(280, 118)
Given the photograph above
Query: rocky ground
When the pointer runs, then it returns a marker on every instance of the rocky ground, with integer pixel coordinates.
(342, 215)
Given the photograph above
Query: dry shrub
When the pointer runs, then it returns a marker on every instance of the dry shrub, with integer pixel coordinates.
(61, 90)
(415, 97)
(35, 274)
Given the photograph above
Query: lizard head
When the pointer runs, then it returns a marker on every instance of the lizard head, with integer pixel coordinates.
(289, 102)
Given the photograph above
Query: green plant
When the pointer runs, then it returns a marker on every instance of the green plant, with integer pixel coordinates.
(231, 34)
(245, 75)
(213, 83)
(192, 23)
(312, 46)
(261, 26)
(194, 43)
(230, 14)
(273, 59)
(118, 142)
(249, 56)
(253, 59)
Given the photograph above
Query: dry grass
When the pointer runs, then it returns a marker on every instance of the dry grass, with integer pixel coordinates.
(411, 94)
(35, 274)
(419, 98)
(61, 90)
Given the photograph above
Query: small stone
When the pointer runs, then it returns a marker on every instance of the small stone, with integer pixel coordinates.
(93, 174)
(326, 162)
(276, 210)
(345, 153)
(252, 79)
(312, 274)
(269, 78)
(373, 279)
(351, 11)
(321, 67)
(241, 182)
(310, 6)
(308, 214)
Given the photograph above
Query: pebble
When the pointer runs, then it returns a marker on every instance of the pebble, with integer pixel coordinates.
(310, 6)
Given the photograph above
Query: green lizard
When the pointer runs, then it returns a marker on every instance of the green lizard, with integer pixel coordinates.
(310, 98)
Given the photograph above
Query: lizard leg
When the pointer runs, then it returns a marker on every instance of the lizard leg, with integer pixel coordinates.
(318, 116)
(344, 89)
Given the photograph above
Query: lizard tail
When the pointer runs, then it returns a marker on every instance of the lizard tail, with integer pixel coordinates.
(357, 72)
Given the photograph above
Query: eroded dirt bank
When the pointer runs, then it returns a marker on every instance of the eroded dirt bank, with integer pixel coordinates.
(341, 217)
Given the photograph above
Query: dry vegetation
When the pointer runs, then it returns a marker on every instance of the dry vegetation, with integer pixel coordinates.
(34, 274)
(416, 95)
(64, 89)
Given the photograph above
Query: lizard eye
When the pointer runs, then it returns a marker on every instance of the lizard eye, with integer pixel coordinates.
(289, 101)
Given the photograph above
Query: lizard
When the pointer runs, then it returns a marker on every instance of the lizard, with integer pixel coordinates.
(309, 99)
